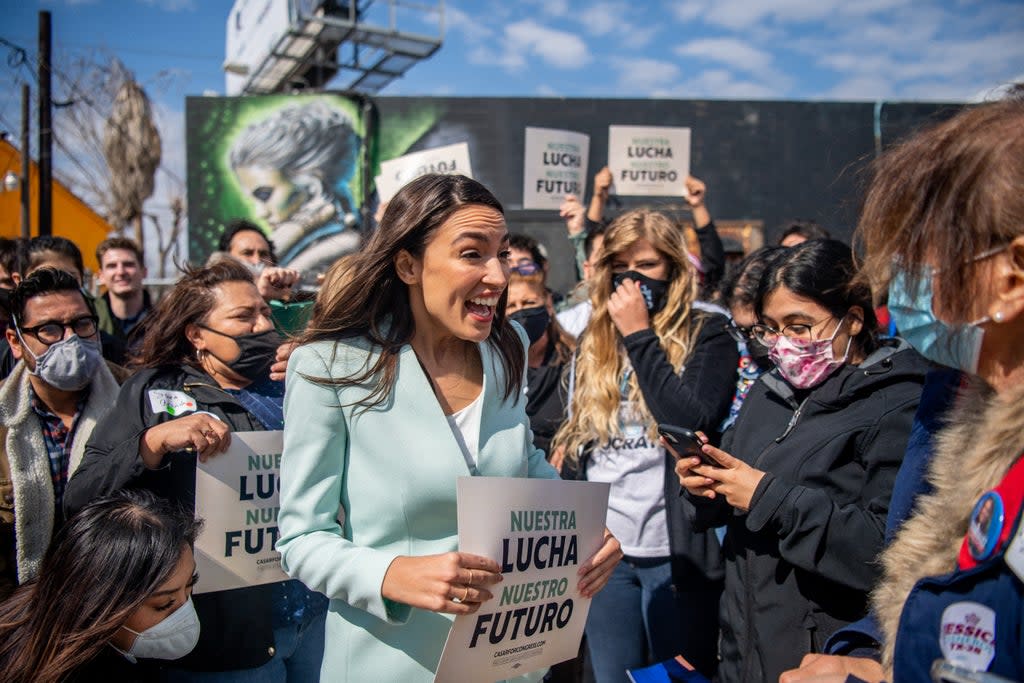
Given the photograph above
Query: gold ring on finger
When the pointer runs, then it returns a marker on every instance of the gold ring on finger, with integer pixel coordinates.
(465, 595)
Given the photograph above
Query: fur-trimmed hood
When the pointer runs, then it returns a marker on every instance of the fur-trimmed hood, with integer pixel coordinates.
(983, 440)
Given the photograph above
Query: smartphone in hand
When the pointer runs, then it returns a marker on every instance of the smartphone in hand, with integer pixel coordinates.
(685, 442)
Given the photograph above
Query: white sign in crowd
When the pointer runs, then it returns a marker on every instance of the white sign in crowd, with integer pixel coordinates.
(540, 531)
(649, 161)
(237, 497)
(395, 173)
(554, 165)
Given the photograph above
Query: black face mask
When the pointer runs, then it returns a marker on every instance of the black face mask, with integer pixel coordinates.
(654, 291)
(257, 352)
(759, 353)
(534, 320)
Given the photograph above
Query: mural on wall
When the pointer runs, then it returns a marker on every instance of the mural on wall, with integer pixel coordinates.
(289, 163)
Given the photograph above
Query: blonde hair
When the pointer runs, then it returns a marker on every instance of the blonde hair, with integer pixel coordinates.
(602, 361)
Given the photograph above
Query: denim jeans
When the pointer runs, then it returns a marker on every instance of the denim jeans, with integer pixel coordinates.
(299, 651)
(639, 618)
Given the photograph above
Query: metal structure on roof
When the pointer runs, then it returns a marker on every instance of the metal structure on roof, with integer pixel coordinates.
(277, 46)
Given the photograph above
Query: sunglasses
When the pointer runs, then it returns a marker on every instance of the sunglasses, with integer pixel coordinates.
(525, 268)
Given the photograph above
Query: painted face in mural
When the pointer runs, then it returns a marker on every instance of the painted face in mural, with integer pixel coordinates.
(296, 167)
(274, 196)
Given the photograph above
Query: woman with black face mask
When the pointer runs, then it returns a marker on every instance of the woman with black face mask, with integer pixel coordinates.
(648, 356)
(204, 366)
(550, 349)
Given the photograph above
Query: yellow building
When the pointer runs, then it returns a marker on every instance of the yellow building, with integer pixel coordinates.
(72, 218)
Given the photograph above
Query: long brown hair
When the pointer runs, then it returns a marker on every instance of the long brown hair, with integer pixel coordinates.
(189, 301)
(102, 565)
(945, 195)
(601, 360)
(373, 302)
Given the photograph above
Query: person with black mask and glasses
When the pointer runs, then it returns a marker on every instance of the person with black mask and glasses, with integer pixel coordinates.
(739, 292)
(204, 372)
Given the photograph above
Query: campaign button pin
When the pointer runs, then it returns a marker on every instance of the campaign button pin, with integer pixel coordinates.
(987, 519)
(968, 635)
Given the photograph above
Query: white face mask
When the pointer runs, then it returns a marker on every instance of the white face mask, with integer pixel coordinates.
(172, 638)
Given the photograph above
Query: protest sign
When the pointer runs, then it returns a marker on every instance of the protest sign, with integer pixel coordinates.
(649, 161)
(539, 531)
(554, 165)
(237, 497)
(395, 173)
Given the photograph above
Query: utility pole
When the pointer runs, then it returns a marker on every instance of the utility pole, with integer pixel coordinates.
(45, 128)
(26, 162)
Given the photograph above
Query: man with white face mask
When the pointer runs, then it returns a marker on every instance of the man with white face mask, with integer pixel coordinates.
(49, 405)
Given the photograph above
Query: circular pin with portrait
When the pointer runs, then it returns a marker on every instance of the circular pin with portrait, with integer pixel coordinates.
(986, 526)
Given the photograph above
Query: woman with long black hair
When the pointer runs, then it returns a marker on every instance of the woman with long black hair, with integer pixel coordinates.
(115, 586)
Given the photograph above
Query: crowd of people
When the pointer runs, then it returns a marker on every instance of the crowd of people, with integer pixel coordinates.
(841, 499)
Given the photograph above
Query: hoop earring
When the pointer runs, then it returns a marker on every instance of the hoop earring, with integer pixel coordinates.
(199, 355)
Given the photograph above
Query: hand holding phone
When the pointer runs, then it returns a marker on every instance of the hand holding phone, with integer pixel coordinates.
(685, 443)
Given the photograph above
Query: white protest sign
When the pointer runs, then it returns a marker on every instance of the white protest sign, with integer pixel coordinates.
(237, 496)
(554, 165)
(539, 531)
(395, 173)
(649, 161)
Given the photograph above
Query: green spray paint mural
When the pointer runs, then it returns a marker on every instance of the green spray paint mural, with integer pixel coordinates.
(289, 163)
(293, 164)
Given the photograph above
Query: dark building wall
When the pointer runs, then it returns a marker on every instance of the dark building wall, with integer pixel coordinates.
(767, 161)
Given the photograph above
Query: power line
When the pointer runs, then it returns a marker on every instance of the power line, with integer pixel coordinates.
(135, 50)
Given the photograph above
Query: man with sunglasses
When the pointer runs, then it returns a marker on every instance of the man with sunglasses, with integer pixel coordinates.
(49, 405)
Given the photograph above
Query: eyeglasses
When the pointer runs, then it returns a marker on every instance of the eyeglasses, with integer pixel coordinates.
(928, 271)
(769, 336)
(739, 334)
(53, 332)
(525, 268)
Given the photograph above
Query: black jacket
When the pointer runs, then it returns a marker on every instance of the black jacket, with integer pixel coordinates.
(112, 667)
(236, 625)
(801, 561)
(545, 401)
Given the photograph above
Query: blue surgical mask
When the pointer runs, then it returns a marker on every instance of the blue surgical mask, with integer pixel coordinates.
(956, 346)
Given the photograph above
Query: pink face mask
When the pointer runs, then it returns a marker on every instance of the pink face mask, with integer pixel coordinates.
(805, 363)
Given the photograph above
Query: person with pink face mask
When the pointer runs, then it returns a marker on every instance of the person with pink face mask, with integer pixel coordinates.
(804, 477)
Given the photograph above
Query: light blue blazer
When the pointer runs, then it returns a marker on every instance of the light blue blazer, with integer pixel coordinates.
(392, 470)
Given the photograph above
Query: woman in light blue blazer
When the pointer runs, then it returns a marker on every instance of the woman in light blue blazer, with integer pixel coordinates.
(408, 377)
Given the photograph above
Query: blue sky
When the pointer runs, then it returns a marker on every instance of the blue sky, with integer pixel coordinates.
(947, 50)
